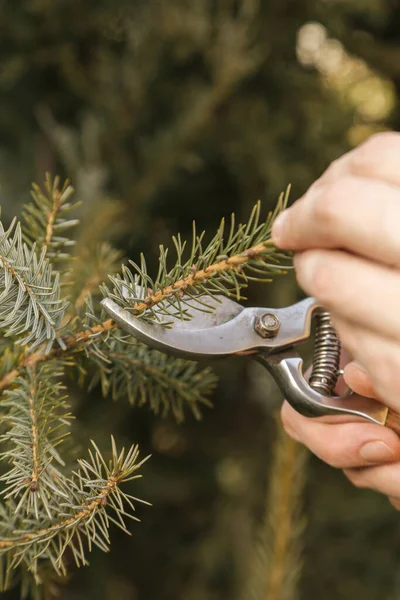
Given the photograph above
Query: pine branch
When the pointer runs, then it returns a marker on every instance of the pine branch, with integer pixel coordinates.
(45, 511)
(36, 424)
(83, 519)
(126, 369)
(275, 564)
(250, 248)
(91, 268)
(147, 376)
(70, 344)
(224, 266)
(30, 304)
(47, 218)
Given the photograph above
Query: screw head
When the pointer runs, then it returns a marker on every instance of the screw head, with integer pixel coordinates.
(267, 326)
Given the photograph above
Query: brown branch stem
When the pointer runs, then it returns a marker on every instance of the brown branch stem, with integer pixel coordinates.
(52, 215)
(35, 438)
(72, 343)
(19, 279)
(233, 262)
(86, 512)
(176, 383)
(78, 340)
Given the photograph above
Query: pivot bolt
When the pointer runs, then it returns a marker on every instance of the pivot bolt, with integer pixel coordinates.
(267, 325)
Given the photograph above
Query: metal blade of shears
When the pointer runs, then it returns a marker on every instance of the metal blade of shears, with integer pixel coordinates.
(229, 330)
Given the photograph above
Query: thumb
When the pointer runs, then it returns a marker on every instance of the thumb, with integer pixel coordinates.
(358, 379)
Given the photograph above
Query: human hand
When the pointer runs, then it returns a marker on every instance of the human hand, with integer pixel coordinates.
(346, 234)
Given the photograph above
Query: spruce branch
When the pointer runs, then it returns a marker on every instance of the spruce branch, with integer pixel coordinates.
(126, 369)
(248, 248)
(45, 511)
(91, 268)
(36, 424)
(147, 376)
(47, 218)
(70, 344)
(224, 266)
(275, 563)
(30, 305)
(94, 501)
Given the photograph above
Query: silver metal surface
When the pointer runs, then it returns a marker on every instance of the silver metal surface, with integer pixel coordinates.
(267, 325)
(230, 330)
(287, 370)
(326, 361)
(231, 334)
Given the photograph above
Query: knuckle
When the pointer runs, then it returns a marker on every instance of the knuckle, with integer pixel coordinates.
(388, 371)
(324, 285)
(326, 209)
(335, 457)
(331, 172)
(348, 335)
(368, 158)
(332, 459)
(331, 206)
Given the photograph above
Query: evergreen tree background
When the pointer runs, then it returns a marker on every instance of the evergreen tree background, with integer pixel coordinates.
(165, 111)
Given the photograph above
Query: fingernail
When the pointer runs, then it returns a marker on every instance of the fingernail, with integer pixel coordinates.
(377, 452)
(278, 228)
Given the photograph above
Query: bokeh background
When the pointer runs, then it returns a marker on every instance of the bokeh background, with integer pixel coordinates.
(165, 111)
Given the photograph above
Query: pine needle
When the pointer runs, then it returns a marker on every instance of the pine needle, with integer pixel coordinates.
(219, 268)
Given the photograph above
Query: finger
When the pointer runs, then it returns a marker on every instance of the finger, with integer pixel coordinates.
(379, 356)
(384, 478)
(343, 445)
(376, 158)
(354, 213)
(395, 502)
(353, 288)
(358, 379)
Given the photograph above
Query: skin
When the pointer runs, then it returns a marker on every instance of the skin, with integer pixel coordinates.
(345, 232)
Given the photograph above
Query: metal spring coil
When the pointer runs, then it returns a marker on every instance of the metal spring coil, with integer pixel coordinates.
(326, 363)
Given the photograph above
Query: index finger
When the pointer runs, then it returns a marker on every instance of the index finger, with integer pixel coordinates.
(342, 444)
(347, 209)
(377, 158)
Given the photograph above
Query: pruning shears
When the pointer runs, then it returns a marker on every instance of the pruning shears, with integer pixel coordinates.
(270, 336)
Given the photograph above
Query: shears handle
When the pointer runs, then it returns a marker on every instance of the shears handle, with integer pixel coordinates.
(286, 368)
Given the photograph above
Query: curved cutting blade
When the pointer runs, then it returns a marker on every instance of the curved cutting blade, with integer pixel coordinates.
(229, 330)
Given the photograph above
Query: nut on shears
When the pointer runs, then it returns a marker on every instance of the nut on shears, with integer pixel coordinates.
(267, 325)
(268, 335)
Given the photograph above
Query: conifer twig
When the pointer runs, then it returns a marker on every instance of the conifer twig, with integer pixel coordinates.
(229, 264)
(275, 562)
(284, 518)
(71, 343)
(93, 264)
(81, 338)
(232, 258)
(84, 514)
(30, 303)
(44, 510)
(46, 218)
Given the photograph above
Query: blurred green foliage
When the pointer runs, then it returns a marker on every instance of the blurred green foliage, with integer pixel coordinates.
(165, 111)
